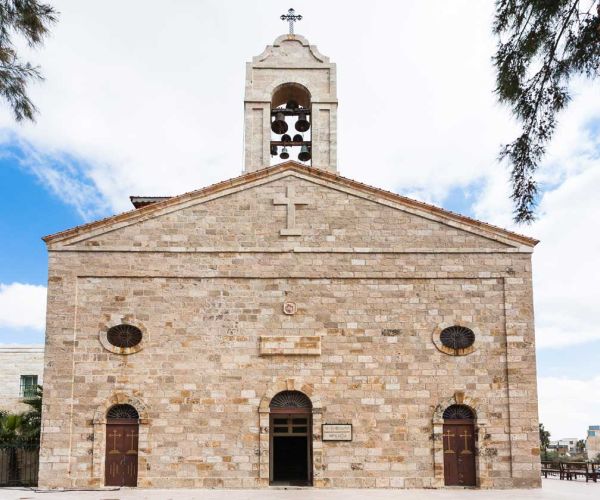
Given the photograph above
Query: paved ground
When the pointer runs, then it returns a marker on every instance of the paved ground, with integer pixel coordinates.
(553, 489)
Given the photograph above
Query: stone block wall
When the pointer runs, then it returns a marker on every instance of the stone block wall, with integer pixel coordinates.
(218, 344)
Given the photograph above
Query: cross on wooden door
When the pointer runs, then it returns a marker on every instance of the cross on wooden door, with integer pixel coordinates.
(467, 438)
(114, 435)
(448, 448)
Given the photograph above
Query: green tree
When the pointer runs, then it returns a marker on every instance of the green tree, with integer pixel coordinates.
(580, 446)
(10, 426)
(544, 439)
(24, 426)
(31, 424)
(541, 45)
(30, 20)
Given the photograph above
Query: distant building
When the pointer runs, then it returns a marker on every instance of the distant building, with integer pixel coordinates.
(565, 446)
(21, 369)
(592, 442)
(569, 443)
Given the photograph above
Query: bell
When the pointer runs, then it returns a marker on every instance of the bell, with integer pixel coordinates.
(291, 104)
(279, 126)
(304, 154)
(302, 125)
(286, 138)
(284, 154)
(273, 150)
(298, 138)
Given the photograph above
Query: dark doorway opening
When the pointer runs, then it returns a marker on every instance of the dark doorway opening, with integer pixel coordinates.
(459, 446)
(291, 440)
(122, 436)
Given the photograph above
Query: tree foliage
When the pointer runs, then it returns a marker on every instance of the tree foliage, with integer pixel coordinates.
(544, 437)
(542, 44)
(30, 20)
(24, 426)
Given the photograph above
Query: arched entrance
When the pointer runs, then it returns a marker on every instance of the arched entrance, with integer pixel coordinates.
(122, 434)
(459, 446)
(290, 424)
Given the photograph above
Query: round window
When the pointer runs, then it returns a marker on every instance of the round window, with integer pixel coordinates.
(457, 337)
(124, 336)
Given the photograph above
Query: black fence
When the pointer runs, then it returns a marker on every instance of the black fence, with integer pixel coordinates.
(19, 463)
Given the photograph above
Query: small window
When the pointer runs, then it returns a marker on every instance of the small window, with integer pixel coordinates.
(122, 411)
(290, 399)
(29, 386)
(459, 412)
(124, 335)
(457, 337)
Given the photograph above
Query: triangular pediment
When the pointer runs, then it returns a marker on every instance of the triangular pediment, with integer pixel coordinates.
(254, 212)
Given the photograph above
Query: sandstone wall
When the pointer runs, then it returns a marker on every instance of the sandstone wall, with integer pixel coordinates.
(201, 385)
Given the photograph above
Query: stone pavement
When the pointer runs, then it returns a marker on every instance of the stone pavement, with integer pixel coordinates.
(552, 489)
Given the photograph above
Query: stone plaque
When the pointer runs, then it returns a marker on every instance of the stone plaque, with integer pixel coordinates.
(337, 432)
(290, 345)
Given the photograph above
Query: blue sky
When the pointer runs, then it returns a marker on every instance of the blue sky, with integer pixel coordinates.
(157, 110)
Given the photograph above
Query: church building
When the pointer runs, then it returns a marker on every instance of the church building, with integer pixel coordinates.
(289, 326)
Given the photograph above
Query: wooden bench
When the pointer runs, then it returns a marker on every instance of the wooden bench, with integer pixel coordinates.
(551, 468)
(573, 470)
(593, 472)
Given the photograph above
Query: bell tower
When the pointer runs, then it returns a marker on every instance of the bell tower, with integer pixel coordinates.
(290, 105)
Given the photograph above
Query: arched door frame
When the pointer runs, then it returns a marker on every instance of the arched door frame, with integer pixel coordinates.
(99, 439)
(122, 446)
(459, 398)
(295, 412)
(290, 384)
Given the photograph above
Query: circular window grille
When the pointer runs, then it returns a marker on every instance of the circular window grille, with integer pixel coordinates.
(290, 399)
(457, 337)
(124, 335)
(122, 411)
(458, 412)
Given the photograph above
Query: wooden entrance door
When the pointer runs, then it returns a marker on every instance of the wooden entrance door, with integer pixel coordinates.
(291, 448)
(121, 464)
(459, 453)
(290, 439)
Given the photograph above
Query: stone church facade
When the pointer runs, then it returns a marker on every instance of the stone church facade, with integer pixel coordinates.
(289, 326)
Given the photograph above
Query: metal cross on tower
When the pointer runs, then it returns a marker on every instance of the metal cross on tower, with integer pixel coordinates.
(291, 17)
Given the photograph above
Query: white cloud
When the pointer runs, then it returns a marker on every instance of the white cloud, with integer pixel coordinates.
(152, 104)
(568, 406)
(565, 262)
(22, 306)
(566, 270)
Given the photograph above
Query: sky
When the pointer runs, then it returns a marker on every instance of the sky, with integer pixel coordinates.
(141, 99)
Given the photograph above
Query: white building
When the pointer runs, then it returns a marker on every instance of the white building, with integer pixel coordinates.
(592, 442)
(21, 371)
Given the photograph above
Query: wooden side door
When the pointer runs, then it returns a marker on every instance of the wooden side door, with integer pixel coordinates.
(121, 463)
(459, 454)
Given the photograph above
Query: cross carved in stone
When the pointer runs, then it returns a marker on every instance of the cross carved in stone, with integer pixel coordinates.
(290, 201)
